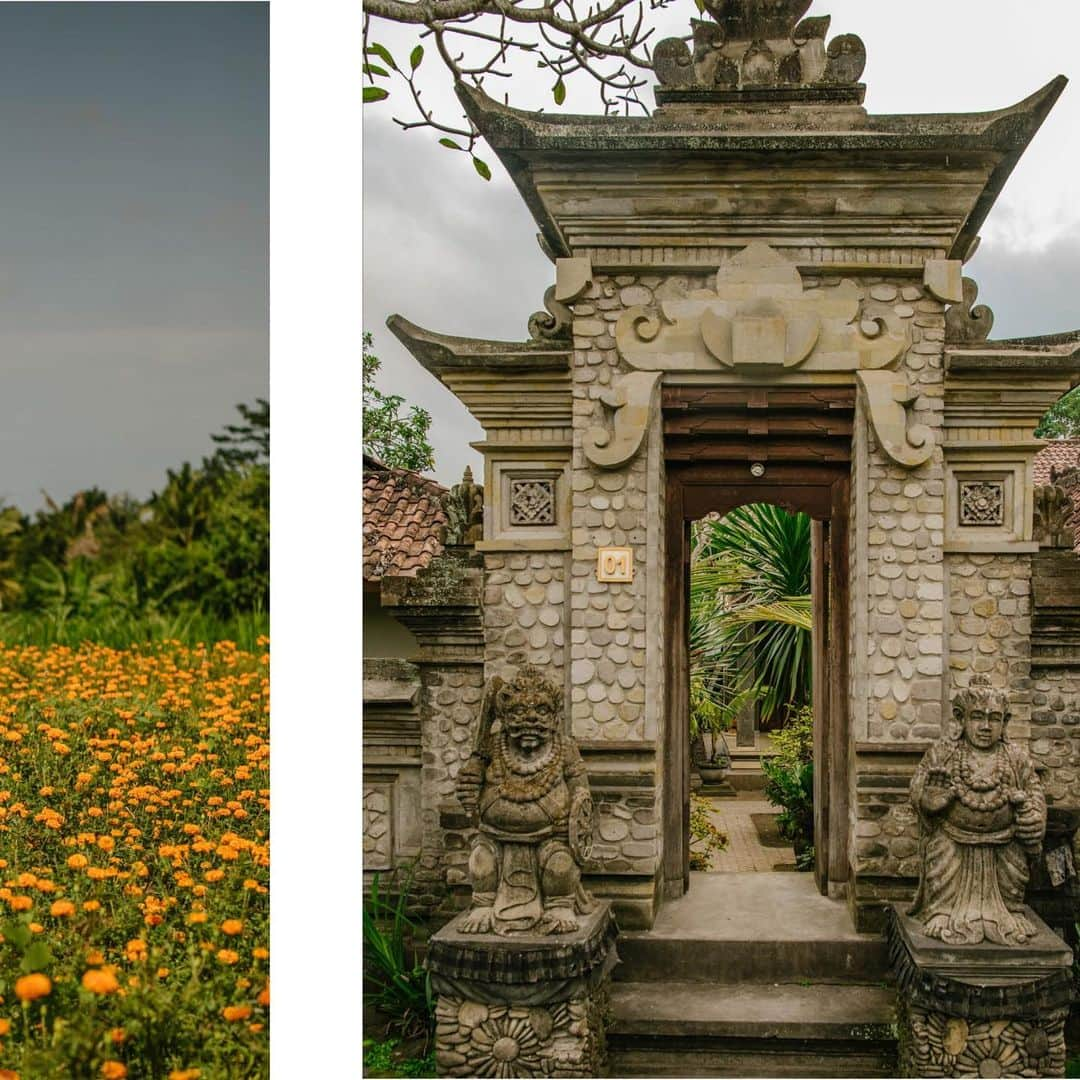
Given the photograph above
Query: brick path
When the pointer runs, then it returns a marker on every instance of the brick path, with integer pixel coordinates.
(745, 851)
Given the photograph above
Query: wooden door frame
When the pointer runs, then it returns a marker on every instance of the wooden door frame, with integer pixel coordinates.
(821, 490)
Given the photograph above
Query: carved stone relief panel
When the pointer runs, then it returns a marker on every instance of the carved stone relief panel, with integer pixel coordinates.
(988, 502)
(530, 501)
(982, 502)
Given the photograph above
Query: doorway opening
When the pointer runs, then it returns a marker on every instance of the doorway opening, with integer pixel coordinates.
(750, 713)
(759, 458)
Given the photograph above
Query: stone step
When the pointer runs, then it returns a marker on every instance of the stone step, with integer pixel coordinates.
(756, 928)
(668, 1028)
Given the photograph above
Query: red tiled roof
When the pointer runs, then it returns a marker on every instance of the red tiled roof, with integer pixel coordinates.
(1059, 455)
(402, 516)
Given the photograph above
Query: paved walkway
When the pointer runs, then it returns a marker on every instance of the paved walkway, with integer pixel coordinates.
(745, 852)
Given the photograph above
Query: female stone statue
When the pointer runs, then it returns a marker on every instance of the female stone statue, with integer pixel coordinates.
(983, 816)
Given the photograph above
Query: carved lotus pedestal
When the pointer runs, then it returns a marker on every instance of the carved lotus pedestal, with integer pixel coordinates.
(522, 1004)
(980, 1010)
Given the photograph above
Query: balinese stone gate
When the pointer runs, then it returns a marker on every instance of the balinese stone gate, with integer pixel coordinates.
(760, 235)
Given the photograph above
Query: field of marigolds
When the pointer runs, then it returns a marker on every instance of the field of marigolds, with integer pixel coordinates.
(134, 862)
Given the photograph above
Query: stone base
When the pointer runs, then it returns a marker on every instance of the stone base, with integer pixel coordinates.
(980, 1010)
(524, 1005)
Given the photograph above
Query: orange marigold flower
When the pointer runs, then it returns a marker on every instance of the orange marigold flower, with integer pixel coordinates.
(232, 927)
(136, 949)
(5, 1027)
(77, 862)
(60, 908)
(99, 981)
(32, 987)
(162, 972)
(196, 917)
(236, 1012)
(264, 995)
(214, 875)
(114, 1070)
(8, 1074)
(176, 1074)
(106, 843)
(36, 928)
(91, 905)
(260, 953)
(21, 903)
(255, 1028)
(118, 1035)
(95, 957)
(227, 956)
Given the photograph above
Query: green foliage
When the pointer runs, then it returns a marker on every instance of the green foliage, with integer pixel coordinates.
(400, 441)
(789, 783)
(400, 989)
(750, 609)
(705, 837)
(197, 552)
(386, 1057)
(1062, 420)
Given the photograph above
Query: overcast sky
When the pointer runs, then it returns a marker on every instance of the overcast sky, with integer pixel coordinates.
(458, 255)
(133, 238)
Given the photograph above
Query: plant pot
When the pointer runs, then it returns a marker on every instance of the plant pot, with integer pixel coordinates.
(711, 775)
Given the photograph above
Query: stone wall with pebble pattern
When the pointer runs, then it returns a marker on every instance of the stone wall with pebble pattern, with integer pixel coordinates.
(990, 627)
(1055, 733)
(905, 521)
(524, 612)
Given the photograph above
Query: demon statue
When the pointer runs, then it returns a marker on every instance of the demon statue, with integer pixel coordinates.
(983, 817)
(525, 785)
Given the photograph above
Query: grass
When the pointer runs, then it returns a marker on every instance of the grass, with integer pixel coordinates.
(134, 862)
(120, 629)
(384, 1058)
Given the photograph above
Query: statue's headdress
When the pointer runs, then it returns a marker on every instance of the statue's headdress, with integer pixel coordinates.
(979, 694)
(530, 688)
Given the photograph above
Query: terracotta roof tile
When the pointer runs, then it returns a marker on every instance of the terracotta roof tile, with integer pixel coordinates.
(1059, 455)
(402, 517)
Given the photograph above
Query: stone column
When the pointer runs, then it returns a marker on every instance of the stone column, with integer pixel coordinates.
(980, 1010)
(527, 1005)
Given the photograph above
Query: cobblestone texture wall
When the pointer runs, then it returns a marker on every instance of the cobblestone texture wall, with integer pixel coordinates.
(990, 627)
(1055, 733)
(524, 612)
(904, 538)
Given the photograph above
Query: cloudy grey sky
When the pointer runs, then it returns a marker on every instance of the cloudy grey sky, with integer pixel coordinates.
(457, 255)
(133, 238)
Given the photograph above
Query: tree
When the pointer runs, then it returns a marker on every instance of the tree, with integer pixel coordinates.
(1062, 420)
(750, 608)
(476, 39)
(247, 443)
(400, 441)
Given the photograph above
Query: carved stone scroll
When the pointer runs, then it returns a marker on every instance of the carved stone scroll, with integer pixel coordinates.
(760, 316)
(887, 396)
(968, 323)
(631, 398)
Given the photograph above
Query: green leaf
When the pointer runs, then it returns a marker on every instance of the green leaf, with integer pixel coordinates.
(449, 143)
(383, 52)
(17, 933)
(374, 69)
(481, 168)
(558, 91)
(416, 56)
(37, 957)
(374, 93)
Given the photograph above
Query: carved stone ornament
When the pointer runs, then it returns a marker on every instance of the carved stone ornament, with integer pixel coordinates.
(760, 318)
(463, 505)
(982, 502)
(532, 501)
(968, 323)
(572, 278)
(1053, 515)
(630, 398)
(983, 817)
(756, 44)
(526, 786)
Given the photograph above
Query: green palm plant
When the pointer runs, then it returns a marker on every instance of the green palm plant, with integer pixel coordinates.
(750, 608)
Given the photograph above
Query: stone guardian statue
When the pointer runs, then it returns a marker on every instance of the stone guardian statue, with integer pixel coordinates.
(526, 787)
(983, 817)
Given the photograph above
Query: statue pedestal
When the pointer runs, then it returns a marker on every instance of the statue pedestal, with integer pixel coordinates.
(522, 1005)
(980, 1010)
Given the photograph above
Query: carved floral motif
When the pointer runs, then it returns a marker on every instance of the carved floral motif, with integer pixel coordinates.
(532, 501)
(982, 502)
